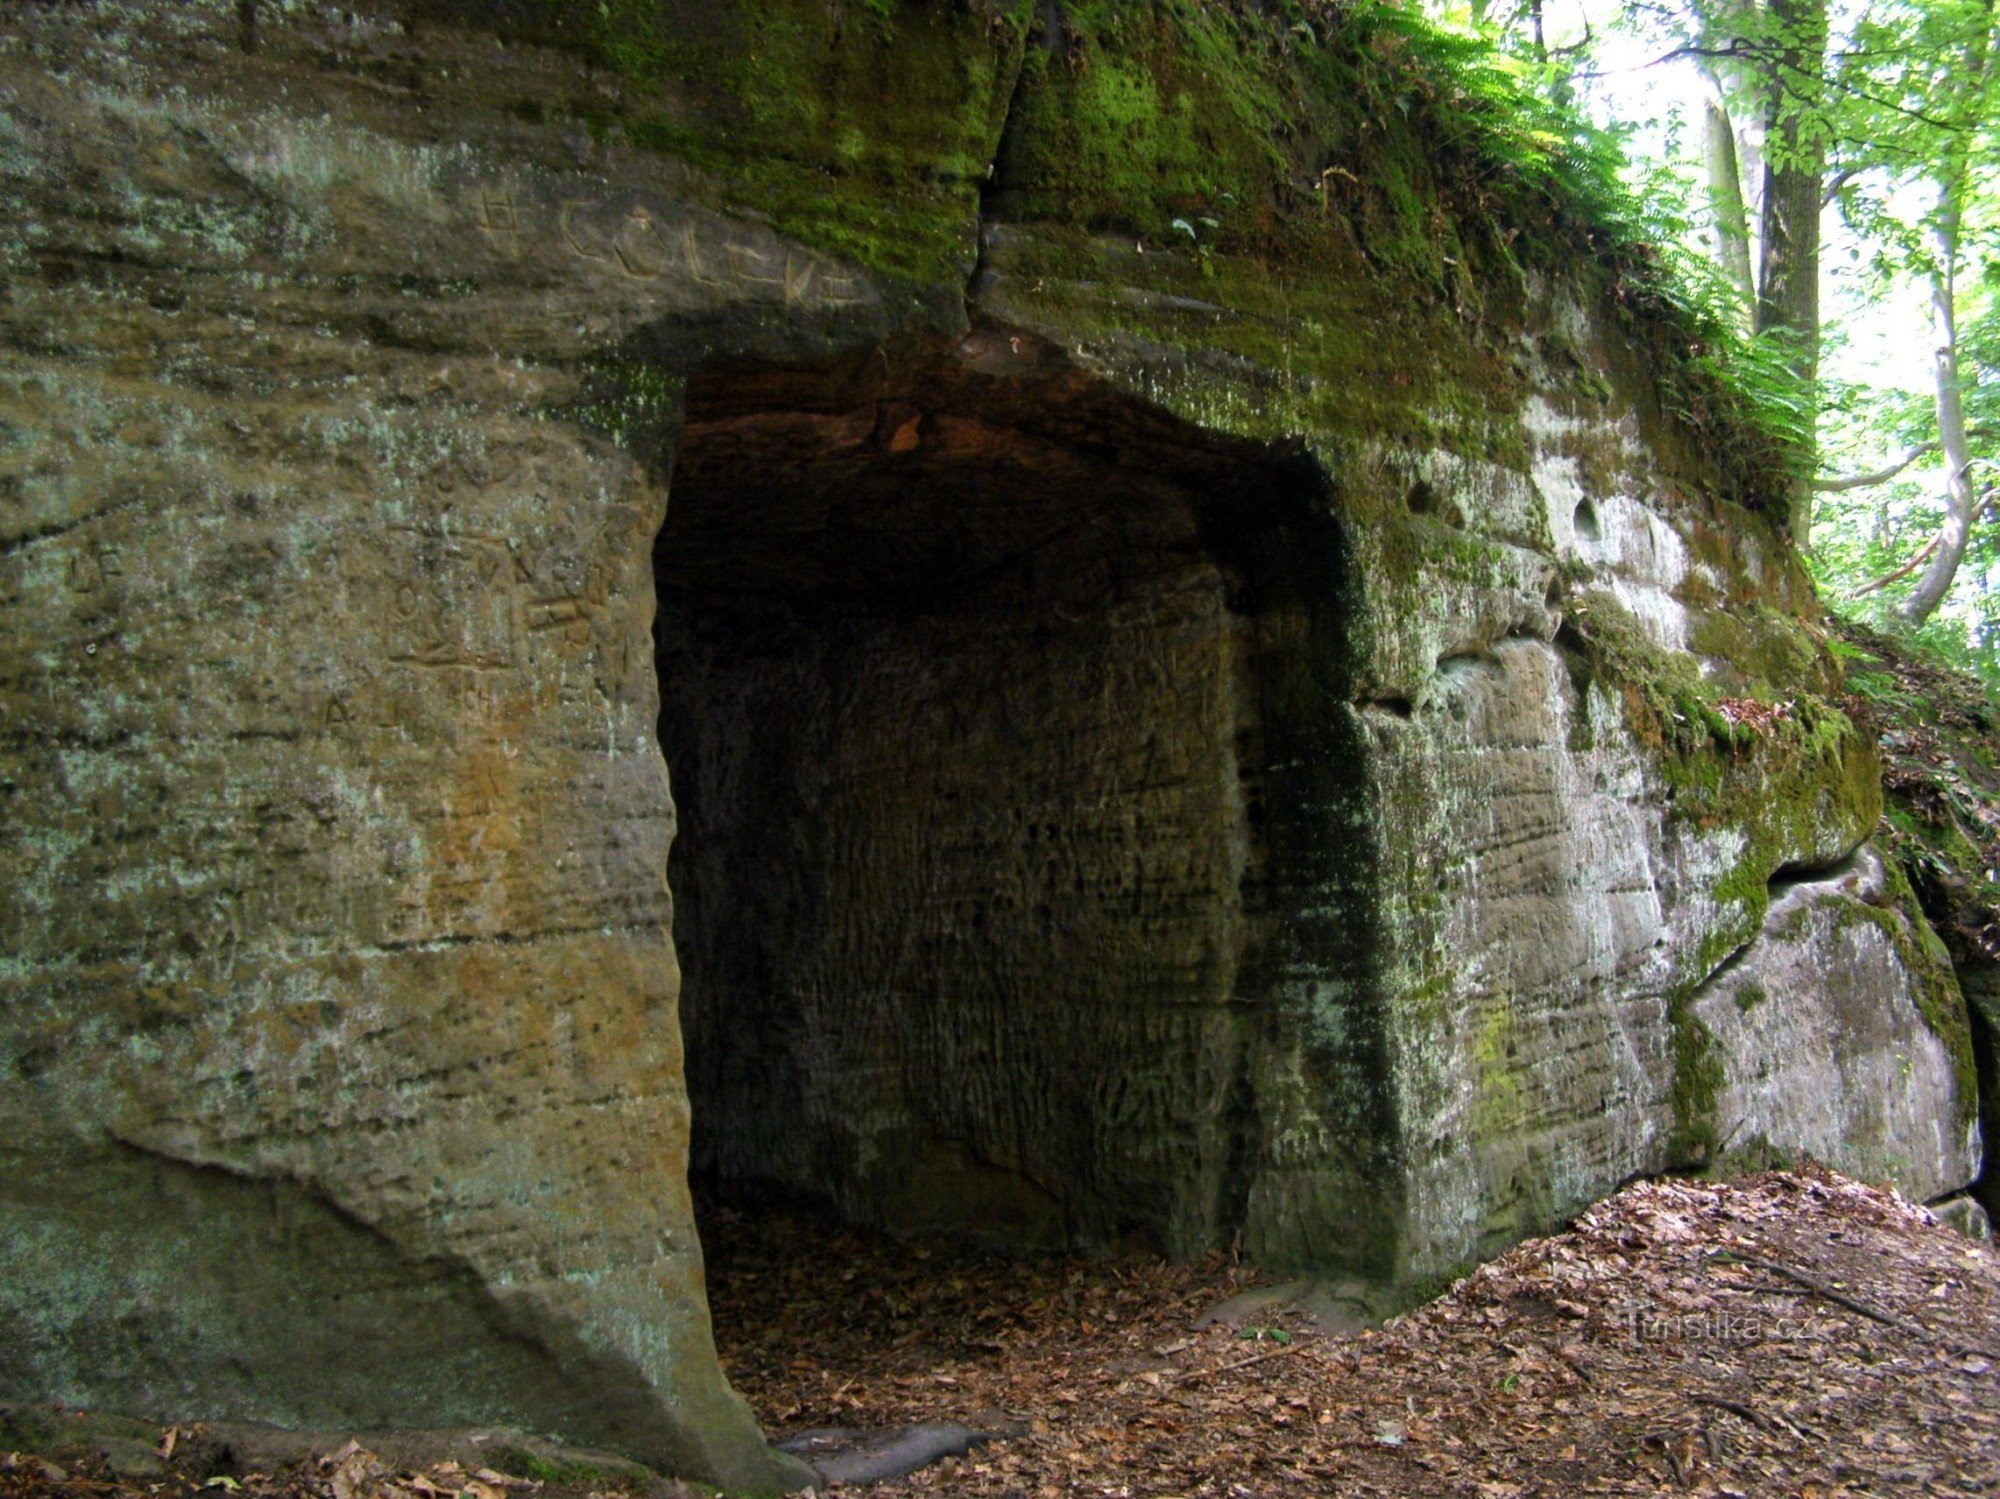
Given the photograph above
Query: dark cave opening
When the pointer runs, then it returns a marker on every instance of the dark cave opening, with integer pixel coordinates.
(973, 674)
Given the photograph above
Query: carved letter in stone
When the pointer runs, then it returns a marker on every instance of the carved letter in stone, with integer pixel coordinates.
(499, 219)
(572, 232)
(640, 250)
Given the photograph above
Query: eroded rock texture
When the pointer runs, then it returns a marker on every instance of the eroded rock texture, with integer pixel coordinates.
(1282, 737)
(1824, 1042)
(968, 689)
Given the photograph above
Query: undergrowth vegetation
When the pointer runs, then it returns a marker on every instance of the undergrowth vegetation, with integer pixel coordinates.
(1529, 157)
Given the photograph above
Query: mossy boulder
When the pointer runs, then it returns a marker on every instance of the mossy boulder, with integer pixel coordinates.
(1936, 728)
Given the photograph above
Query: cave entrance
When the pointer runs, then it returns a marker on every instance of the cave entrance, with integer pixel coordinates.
(969, 674)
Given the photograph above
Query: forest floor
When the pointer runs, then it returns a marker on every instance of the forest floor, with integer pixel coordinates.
(1790, 1333)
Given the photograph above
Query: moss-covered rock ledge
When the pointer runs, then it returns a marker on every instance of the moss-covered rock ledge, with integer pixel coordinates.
(1224, 669)
(1939, 732)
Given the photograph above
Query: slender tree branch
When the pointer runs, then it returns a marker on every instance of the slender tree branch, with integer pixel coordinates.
(1990, 509)
(1876, 476)
(1917, 560)
(1739, 50)
(1836, 182)
(1889, 471)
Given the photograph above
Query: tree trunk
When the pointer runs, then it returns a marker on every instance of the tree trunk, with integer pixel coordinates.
(1725, 191)
(1794, 166)
(1947, 234)
(1959, 504)
(1958, 497)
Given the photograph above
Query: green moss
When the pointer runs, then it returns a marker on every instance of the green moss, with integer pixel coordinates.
(1762, 654)
(1144, 113)
(1933, 984)
(1380, 147)
(1749, 995)
(1698, 1081)
(1496, 1087)
(1808, 779)
(1517, 1195)
(1283, 153)
(1273, 350)
(555, 1467)
(1943, 775)
(1800, 770)
(1792, 774)
(26, 1430)
(863, 131)
(633, 402)
(1746, 1157)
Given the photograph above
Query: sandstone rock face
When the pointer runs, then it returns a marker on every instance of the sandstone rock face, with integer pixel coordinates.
(955, 740)
(1943, 810)
(1822, 1042)
(339, 1005)
(1134, 778)
(1575, 899)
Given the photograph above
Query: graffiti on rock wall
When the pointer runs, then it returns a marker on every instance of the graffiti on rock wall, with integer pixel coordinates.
(639, 238)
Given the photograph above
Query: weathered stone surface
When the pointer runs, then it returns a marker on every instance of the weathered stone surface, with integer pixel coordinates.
(1967, 1216)
(1942, 778)
(967, 746)
(1821, 1043)
(1279, 740)
(338, 1011)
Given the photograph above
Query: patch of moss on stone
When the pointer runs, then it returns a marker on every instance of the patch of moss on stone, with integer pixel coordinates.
(1792, 779)
(634, 402)
(1129, 116)
(1746, 1157)
(28, 1430)
(1761, 653)
(867, 135)
(1933, 984)
(1253, 345)
(1365, 145)
(1799, 783)
(1698, 1083)
(1410, 551)
(1937, 727)
(564, 1469)
(1283, 158)
(1496, 1087)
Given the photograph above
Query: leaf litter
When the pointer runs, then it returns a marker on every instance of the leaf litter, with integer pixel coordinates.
(1789, 1333)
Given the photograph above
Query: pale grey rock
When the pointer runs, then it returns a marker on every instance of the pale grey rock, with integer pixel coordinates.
(1964, 1215)
(1822, 1044)
(1329, 1308)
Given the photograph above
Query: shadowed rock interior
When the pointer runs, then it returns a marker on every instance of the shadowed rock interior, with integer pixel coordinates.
(967, 684)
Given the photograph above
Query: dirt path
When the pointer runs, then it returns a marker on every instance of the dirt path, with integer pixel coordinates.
(1792, 1333)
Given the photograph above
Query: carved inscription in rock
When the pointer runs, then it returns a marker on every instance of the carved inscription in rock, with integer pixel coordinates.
(499, 219)
(452, 603)
(643, 240)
